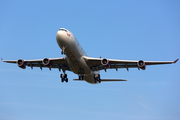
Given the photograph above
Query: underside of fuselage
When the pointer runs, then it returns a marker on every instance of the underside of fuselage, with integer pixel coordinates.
(74, 56)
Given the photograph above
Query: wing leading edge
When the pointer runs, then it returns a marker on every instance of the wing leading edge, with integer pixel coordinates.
(60, 63)
(96, 63)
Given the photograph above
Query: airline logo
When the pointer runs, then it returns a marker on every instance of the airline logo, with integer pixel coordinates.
(68, 34)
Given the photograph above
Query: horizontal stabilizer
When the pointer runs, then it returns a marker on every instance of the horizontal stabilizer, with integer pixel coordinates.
(106, 80)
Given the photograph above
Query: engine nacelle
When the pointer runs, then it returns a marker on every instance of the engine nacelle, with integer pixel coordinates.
(141, 64)
(105, 63)
(46, 62)
(21, 64)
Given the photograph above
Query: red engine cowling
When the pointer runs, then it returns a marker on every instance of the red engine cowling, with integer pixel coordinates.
(105, 63)
(21, 64)
(46, 62)
(141, 64)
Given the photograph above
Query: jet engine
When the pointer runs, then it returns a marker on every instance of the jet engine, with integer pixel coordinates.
(46, 62)
(105, 63)
(21, 64)
(141, 64)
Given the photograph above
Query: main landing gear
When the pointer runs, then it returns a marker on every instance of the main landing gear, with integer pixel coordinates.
(97, 78)
(81, 77)
(64, 78)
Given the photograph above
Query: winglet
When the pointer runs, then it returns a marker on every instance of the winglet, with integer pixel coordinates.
(1, 59)
(176, 60)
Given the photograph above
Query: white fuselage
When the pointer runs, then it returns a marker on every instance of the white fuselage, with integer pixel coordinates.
(74, 54)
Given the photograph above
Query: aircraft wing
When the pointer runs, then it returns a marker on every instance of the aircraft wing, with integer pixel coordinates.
(60, 63)
(96, 63)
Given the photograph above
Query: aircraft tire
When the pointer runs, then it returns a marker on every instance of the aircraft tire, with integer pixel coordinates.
(62, 52)
(99, 76)
(61, 76)
(99, 80)
(95, 80)
(66, 80)
(65, 76)
(62, 80)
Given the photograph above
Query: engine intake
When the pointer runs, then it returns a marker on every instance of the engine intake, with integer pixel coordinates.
(21, 64)
(46, 62)
(141, 64)
(105, 62)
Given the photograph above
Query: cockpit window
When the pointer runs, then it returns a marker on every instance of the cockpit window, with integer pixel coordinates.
(62, 30)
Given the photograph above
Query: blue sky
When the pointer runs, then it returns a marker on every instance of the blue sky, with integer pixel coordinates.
(132, 30)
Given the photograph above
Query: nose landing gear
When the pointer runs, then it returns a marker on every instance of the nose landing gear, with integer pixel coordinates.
(63, 50)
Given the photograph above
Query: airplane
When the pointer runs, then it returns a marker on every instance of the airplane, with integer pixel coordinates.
(77, 61)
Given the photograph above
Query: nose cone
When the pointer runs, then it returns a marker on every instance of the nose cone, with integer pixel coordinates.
(61, 37)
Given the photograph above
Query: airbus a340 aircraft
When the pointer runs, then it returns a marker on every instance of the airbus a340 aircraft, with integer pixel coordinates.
(78, 62)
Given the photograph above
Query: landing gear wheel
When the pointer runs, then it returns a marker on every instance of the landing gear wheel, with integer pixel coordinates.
(66, 80)
(81, 77)
(65, 76)
(62, 80)
(97, 78)
(61, 76)
(63, 53)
